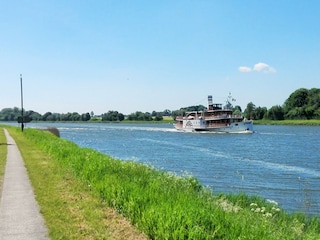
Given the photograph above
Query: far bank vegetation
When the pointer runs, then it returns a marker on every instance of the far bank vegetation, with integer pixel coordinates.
(302, 104)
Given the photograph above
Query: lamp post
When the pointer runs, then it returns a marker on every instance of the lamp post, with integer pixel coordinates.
(22, 125)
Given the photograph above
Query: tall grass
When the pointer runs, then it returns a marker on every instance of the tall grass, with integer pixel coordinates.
(166, 206)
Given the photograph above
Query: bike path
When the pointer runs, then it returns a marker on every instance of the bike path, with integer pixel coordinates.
(20, 216)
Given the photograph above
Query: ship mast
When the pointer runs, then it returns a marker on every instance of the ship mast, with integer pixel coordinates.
(228, 102)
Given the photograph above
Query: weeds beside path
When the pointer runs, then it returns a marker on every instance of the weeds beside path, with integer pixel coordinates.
(3, 156)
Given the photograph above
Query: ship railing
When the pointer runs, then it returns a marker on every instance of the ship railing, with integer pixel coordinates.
(223, 117)
(180, 118)
(213, 117)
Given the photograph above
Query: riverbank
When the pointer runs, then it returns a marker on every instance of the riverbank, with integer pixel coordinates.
(160, 204)
(311, 122)
(169, 120)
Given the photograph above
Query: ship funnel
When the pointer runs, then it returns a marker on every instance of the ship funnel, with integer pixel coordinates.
(210, 103)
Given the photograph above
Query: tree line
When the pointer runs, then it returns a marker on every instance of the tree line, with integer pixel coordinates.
(12, 114)
(301, 104)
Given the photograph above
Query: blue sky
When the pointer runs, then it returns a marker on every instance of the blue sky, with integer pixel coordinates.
(83, 56)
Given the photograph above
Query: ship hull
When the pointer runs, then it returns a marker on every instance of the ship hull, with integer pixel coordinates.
(239, 127)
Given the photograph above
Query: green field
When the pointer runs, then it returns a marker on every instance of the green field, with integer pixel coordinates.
(75, 187)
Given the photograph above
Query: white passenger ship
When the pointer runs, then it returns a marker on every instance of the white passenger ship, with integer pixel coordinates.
(214, 119)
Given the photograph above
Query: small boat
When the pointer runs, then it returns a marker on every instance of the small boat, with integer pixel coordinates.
(216, 118)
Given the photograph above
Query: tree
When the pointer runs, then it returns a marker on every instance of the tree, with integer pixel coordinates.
(47, 116)
(248, 112)
(85, 117)
(120, 117)
(147, 116)
(295, 113)
(297, 99)
(140, 116)
(158, 117)
(237, 108)
(259, 112)
(166, 112)
(302, 104)
(75, 116)
(176, 113)
(314, 98)
(317, 114)
(34, 115)
(10, 114)
(112, 116)
(254, 112)
(275, 113)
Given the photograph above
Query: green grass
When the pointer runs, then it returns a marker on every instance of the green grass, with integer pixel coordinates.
(161, 204)
(3, 156)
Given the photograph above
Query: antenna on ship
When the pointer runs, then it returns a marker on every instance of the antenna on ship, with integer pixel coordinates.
(228, 102)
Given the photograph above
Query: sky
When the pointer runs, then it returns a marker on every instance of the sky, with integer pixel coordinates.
(127, 56)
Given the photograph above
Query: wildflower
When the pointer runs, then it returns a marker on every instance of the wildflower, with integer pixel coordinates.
(272, 202)
(253, 205)
(275, 209)
(268, 214)
(228, 207)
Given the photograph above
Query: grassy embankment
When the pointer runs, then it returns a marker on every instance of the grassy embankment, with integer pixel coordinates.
(311, 122)
(74, 185)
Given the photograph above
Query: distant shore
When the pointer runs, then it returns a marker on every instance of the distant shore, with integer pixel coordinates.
(169, 120)
(311, 122)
